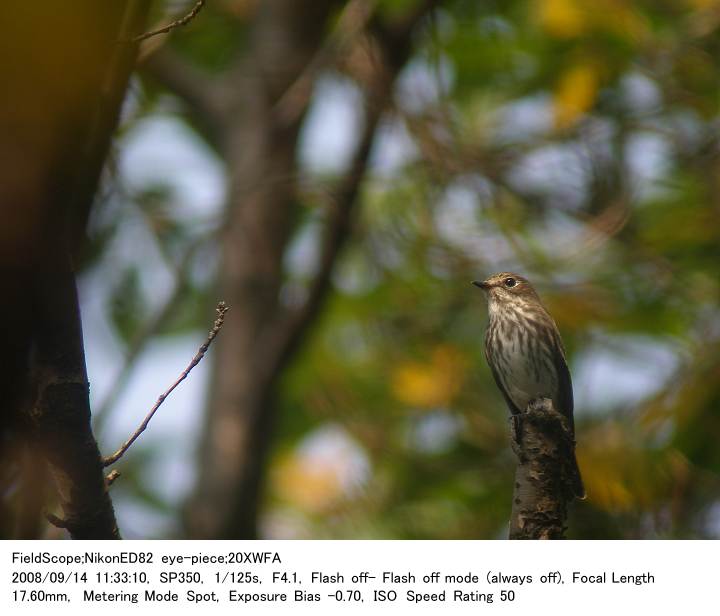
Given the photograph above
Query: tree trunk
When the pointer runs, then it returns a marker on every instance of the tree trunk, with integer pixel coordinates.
(546, 454)
(262, 335)
(65, 73)
(260, 154)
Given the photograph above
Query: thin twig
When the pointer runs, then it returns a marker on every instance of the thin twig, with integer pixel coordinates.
(221, 310)
(55, 521)
(111, 477)
(183, 21)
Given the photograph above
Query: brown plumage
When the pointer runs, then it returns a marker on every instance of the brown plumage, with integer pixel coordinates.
(525, 352)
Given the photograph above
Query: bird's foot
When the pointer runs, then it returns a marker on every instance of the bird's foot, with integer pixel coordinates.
(542, 409)
(539, 406)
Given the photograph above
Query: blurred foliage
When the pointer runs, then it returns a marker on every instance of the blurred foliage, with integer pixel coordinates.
(576, 142)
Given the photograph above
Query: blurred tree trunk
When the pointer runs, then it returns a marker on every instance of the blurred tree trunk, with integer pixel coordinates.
(259, 142)
(64, 77)
(259, 150)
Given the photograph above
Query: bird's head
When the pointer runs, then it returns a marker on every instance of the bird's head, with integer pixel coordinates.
(507, 287)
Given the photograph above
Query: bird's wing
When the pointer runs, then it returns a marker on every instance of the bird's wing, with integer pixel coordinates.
(565, 391)
(510, 404)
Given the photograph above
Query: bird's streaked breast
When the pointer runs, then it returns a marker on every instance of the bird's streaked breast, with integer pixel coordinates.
(521, 351)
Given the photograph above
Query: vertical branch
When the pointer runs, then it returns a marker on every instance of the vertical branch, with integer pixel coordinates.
(60, 415)
(260, 152)
(545, 450)
(63, 127)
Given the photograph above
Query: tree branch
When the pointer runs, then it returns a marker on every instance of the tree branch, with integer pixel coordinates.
(61, 411)
(221, 311)
(350, 24)
(48, 396)
(145, 333)
(183, 21)
(90, 156)
(112, 476)
(396, 35)
(545, 448)
(395, 47)
(293, 324)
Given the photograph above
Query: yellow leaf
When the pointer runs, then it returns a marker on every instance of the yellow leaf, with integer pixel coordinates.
(309, 486)
(324, 469)
(561, 18)
(703, 4)
(574, 94)
(429, 384)
(574, 18)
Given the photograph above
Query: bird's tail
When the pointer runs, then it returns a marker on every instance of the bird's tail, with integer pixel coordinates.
(576, 482)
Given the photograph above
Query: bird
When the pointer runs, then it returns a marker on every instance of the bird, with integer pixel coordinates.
(526, 355)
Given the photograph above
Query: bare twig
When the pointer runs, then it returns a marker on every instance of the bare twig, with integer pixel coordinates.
(221, 309)
(183, 21)
(55, 521)
(111, 477)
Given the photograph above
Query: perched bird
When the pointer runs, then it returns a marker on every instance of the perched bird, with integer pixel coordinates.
(525, 352)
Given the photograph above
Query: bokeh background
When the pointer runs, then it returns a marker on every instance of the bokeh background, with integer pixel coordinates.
(340, 172)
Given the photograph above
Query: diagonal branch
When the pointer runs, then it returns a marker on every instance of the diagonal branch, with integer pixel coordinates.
(350, 24)
(294, 324)
(395, 45)
(183, 21)
(221, 311)
(140, 340)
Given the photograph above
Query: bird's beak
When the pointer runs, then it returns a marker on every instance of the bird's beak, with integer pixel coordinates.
(483, 285)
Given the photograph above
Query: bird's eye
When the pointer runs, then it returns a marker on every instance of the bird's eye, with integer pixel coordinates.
(510, 282)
